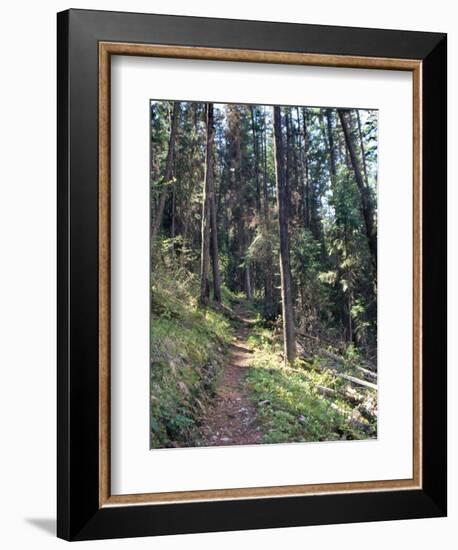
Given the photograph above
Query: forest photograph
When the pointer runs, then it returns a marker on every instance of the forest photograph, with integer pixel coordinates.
(263, 290)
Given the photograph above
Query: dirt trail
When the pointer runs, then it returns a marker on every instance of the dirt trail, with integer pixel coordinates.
(232, 419)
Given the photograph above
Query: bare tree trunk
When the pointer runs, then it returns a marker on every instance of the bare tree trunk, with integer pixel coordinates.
(366, 206)
(210, 183)
(205, 223)
(343, 255)
(263, 212)
(302, 144)
(307, 194)
(294, 178)
(349, 292)
(283, 213)
(157, 221)
(268, 282)
(289, 160)
(172, 230)
(361, 142)
(249, 294)
(256, 159)
(332, 150)
(205, 253)
(349, 320)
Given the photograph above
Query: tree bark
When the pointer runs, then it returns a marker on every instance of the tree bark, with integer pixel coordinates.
(294, 177)
(306, 185)
(172, 230)
(361, 143)
(210, 183)
(249, 294)
(205, 222)
(302, 183)
(256, 159)
(167, 173)
(283, 214)
(332, 150)
(268, 282)
(342, 255)
(263, 210)
(366, 206)
(205, 252)
(289, 161)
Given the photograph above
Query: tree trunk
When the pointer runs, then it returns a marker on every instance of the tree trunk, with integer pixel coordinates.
(361, 143)
(302, 172)
(294, 178)
(366, 206)
(306, 185)
(283, 213)
(263, 210)
(332, 150)
(268, 281)
(349, 319)
(289, 161)
(256, 159)
(342, 255)
(210, 183)
(248, 292)
(205, 252)
(172, 230)
(167, 173)
(205, 223)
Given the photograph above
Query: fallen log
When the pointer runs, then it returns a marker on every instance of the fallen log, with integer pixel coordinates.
(336, 367)
(357, 424)
(356, 381)
(340, 361)
(331, 355)
(367, 414)
(357, 401)
(330, 392)
(339, 374)
(227, 311)
(368, 374)
(366, 428)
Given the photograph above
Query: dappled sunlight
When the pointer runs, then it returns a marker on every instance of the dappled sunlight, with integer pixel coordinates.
(300, 403)
(263, 244)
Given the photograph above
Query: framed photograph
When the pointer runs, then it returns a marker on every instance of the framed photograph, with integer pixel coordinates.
(251, 274)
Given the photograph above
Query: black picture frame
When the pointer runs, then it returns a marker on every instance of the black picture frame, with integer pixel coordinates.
(79, 515)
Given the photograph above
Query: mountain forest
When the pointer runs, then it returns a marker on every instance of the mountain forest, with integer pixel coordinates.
(263, 299)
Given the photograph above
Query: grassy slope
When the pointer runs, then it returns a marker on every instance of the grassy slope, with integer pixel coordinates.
(187, 350)
(290, 405)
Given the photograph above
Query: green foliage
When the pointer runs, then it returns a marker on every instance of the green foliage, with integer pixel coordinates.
(228, 297)
(187, 349)
(305, 255)
(289, 403)
(332, 272)
(264, 245)
(315, 302)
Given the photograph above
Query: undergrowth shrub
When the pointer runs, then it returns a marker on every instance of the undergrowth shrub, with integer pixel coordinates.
(187, 348)
(289, 404)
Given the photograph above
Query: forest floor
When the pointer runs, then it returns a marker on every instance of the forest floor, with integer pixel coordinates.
(232, 419)
(218, 378)
(259, 399)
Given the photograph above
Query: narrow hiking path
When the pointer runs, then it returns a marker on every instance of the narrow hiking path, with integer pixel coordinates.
(232, 418)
